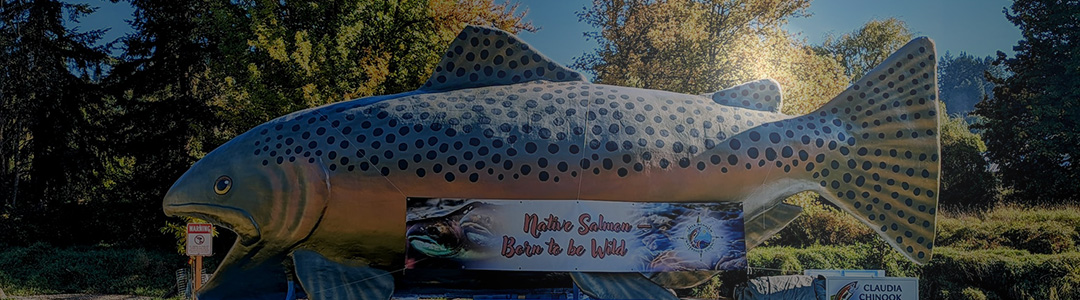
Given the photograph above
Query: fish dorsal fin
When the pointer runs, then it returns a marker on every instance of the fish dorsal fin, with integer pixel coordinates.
(482, 56)
(763, 95)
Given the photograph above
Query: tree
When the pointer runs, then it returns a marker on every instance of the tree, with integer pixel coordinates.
(161, 86)
(865, 48)
(962, 81)
(52, 120)
(966, 180)
(677, 45)
(808, 80)
(309, 53)
(1031, 122)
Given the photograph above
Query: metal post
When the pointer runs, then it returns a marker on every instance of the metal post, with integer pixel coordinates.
(198, 277)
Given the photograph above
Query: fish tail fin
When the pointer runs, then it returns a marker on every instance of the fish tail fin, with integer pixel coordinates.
(884, 166)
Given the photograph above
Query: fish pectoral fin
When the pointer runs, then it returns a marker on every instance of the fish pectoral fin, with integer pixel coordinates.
(241, 275)
(483, 56)
(620, 286)
(765, 225)
(322, 278)
(681, 279)
(762, 95)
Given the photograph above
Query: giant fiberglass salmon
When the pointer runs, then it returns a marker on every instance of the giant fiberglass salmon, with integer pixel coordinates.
(498, 120)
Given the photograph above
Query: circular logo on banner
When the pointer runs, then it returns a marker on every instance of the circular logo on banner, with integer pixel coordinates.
(699, 238)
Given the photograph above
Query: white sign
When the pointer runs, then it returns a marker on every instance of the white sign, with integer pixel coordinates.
(200, 240)
(871, 288)
(846, 273)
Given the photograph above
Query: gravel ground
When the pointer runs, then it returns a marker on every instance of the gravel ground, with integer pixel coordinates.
(81, 297)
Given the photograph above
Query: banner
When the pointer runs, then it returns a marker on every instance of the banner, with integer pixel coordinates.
(574, 235)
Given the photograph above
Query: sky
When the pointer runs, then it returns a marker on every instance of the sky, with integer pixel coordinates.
(977, 27)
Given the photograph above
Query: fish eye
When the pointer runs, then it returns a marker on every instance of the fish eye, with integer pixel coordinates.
(222, 185)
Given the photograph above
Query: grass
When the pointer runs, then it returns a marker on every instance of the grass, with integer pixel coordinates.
(1037, 230)
(42, 269)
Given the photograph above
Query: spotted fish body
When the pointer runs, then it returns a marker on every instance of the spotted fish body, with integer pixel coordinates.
(498, 120)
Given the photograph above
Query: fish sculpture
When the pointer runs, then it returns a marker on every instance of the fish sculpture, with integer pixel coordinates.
(325, 189)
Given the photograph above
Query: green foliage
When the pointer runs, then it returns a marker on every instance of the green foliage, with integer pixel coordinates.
(680, 45)
(43, 269)
(970, 293)
(1030, 129)
(303, 54)
(966, 180)
(865, 48)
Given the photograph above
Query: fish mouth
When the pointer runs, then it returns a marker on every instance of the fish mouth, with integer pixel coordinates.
(237, 220)
(435, 239)
(430, 247)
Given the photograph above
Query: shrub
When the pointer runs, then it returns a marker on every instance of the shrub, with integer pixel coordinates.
(970, 293)
(966, 181)
(821, 224)
(788, 260)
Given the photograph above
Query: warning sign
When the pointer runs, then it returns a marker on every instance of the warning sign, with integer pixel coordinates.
(200, 241)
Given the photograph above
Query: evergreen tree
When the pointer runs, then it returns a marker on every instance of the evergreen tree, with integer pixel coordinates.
(962, 81)
(52, 120)
(1031, 128)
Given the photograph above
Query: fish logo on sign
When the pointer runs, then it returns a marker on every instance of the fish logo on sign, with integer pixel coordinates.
(845, 292)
